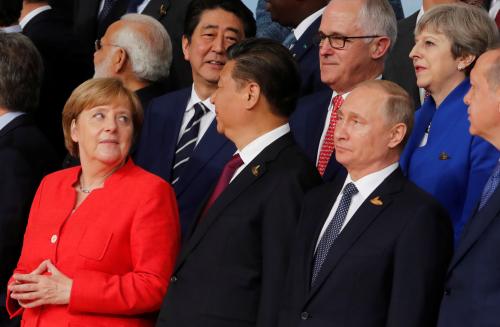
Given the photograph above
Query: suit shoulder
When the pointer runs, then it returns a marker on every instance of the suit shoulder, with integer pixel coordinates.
(413, 196)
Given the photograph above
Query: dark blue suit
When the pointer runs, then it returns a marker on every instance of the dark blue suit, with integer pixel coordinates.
(307, 123)
(306, 53)
(156, 149)
(472, 293)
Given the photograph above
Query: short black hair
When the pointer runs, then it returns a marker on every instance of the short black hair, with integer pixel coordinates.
(10, 11)
(272, 66)
(197, 7)
(21, 71)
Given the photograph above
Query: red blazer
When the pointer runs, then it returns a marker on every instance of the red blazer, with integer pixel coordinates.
(119, 247)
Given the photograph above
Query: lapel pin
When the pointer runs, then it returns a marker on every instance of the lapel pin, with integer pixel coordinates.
(376, 201)
(256, 170)
(163, 10)
(444, 156)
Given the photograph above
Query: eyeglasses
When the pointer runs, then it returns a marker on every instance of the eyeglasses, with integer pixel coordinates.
(338, 41)
(98, 45)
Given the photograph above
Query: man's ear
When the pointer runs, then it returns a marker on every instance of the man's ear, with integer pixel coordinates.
(252, 94)
(185, 47)
(397, 135)
(379, 47)
(120, 59)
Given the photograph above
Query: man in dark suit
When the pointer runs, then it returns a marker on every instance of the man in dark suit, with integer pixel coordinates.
(25, 154)
(135, 49)
(345, 61)
(231, 269)
(373, 248)
(91, 21)
(304, 17)
(398, 66)
(64, 65)
(179, 141)
(472, 291)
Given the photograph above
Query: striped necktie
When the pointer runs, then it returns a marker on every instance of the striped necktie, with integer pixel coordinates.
(187, 142)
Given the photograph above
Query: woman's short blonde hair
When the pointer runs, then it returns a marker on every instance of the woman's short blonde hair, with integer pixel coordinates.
(469, 28)
(98, 92)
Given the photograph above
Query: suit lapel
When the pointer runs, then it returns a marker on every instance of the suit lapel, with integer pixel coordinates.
(361, 220)
(305, 42)
(312, 230)
(479, 223)
(244, 180)
(157, 8)
(315, 127)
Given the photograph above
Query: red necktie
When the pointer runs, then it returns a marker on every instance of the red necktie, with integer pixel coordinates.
(497, 19)
(328, 143)
(224, 179)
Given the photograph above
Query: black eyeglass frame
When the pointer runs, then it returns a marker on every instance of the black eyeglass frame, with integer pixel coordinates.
(320, 38)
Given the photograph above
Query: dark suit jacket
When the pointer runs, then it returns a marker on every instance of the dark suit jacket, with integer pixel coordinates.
(231, 270)
(170, 13)
(156, 149)
(25, 157)
(472, 293)
(398, 65)
(307, 55)
(65, 67)
(307, 123)
(385, 269)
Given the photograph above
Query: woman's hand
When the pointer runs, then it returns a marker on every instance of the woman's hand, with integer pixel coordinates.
(36, 288)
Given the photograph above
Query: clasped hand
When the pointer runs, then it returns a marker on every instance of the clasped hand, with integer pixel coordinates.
(37, 288)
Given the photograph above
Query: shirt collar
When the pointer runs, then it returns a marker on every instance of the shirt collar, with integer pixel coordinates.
(252, 149)
(26, 19)
(420, 14)
(194, 99)
(367, 184)
(11, 29)
(304, 25)
(6, 118)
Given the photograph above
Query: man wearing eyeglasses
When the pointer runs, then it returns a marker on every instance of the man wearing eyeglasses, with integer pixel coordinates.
(354, 38)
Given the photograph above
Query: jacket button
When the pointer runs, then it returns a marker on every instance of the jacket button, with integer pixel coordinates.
(173, 279)
(305, 315)
(447, 291)
(53, 239)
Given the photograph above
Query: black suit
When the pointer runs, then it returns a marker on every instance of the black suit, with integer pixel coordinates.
(472, 293)
(231, 270)
(386, 268)
(170, 13)
(25, 157)
(398, 65)
(65, 68)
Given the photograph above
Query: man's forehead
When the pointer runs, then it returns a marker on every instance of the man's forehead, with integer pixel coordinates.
(341, 22)
(218, 17)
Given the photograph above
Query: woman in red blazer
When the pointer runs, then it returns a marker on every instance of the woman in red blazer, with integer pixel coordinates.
(102, 238)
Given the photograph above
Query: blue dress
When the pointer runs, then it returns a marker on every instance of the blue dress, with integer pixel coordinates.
(453, 165)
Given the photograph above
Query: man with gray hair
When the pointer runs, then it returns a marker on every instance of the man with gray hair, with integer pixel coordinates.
(354, 39)
(25, 154)
(373, 248)
(137, 50)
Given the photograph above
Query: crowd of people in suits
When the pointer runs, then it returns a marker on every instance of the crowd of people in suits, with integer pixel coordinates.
(178, 163)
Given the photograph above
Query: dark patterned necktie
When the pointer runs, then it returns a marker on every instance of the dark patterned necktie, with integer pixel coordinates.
(108, 4)
(490, 186)
(187, 142)
(333, 230)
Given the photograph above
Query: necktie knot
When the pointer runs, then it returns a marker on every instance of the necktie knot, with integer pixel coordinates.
(234, 163)
(337, 101)
(349, 190)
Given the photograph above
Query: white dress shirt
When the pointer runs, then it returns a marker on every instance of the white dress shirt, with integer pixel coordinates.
(205, 121)
(6, 118)
(304, 25)
(365, 185)
(11, 29)
(26, 19)
(254, 148)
